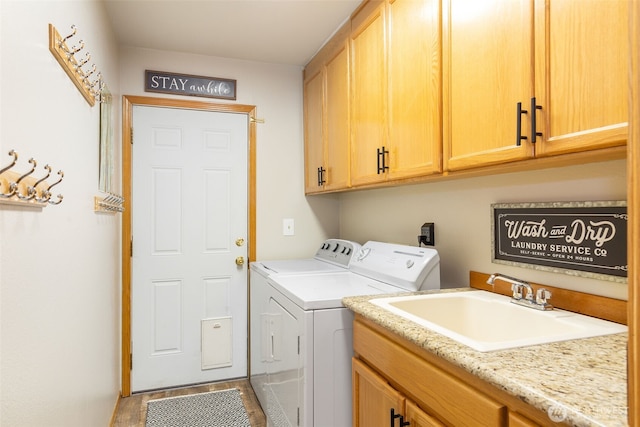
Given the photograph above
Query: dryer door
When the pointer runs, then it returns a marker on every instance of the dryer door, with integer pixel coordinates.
(285, 371)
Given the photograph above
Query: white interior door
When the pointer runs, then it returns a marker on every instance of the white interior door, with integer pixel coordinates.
(189, 225)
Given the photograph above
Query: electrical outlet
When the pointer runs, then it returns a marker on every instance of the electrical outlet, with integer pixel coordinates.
(427, 235)
(288, 227)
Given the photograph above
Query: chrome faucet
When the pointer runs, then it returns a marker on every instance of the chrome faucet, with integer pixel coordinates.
(520, 297)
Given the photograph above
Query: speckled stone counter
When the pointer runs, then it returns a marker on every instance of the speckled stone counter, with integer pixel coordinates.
(583, 382)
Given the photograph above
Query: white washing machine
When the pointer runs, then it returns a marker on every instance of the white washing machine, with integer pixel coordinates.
(307, 334)
(332, 256)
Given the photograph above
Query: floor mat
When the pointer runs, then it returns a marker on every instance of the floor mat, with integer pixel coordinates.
(214, 409)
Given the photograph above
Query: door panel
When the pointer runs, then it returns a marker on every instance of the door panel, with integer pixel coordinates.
(373, 397)
(589, 39)
(284, 372)
(368, 92)
(189, 205)
(337, 113)
(313, 132)
(488, 70)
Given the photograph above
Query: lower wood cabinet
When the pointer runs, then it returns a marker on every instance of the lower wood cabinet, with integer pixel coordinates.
(394, 386)
(416, 417)
(377, 404)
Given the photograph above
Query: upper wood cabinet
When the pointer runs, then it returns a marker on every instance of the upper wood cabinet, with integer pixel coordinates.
(368, 93)
(396, 91)
(313, 131)
(326, 116)
(414, 120)
(581, 74)
(563, 61)
(488, 70)
(411, 88)
(337, 114)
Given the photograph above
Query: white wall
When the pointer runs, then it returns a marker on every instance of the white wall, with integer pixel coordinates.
(59, 266)
(276, 91)
(461, 211)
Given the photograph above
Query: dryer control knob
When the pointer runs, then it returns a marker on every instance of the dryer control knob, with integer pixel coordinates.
(363, 253)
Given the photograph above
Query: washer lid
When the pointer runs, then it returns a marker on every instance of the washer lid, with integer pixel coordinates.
(316, 292)
(295, 266)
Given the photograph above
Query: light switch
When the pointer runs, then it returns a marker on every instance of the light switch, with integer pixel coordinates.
(287, 227)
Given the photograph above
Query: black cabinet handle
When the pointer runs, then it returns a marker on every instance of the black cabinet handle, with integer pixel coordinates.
(403, 423)
(393, 417)
(519, 136)
(382, 164)
(534, 108)
(321, 180)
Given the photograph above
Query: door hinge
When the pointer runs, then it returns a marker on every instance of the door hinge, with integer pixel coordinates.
(131, 361)
(298, 421)
(131, 248)
(131, 140)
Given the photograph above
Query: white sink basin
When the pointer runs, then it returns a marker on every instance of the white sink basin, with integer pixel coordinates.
(486, 321)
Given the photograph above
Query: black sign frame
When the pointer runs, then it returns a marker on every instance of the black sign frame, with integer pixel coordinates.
(189, 85)
(587, 239)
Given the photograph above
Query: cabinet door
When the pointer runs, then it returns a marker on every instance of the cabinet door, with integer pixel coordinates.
(337, 114)
(581, 74)
(414, 113)
(368, 88)
(373, 398)
(313, 132)
(418, 418)
(488, 69)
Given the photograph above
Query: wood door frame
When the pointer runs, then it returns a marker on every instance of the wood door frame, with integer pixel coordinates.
(633, 210)
(128, 102)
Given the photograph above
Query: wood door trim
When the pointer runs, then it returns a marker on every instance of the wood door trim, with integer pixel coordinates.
(128, 102)
(633, 209)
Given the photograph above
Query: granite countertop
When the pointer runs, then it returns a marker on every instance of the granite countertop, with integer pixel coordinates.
(581, 382)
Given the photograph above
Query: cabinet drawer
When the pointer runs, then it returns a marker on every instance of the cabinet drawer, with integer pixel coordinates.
(444, 395)
(517, 420)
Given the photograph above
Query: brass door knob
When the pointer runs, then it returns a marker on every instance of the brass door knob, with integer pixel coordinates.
(240, 260)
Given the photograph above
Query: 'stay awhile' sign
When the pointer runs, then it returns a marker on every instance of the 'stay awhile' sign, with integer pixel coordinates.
(185, 84)
(582, 238)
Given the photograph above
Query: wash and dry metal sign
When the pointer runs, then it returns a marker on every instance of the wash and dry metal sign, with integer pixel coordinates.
(585, 237)
(186, 84)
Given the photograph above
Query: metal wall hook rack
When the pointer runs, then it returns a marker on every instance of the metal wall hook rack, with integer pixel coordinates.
(89, 86)
(111, 203)
(26, 189)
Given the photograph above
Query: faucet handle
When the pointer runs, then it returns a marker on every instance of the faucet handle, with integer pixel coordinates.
(542, 295)
(516, 288)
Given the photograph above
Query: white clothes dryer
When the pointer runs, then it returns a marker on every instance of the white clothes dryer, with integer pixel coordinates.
(332, 256)
(307, 333)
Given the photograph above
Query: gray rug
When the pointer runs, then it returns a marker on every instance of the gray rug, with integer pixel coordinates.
(214, 409)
